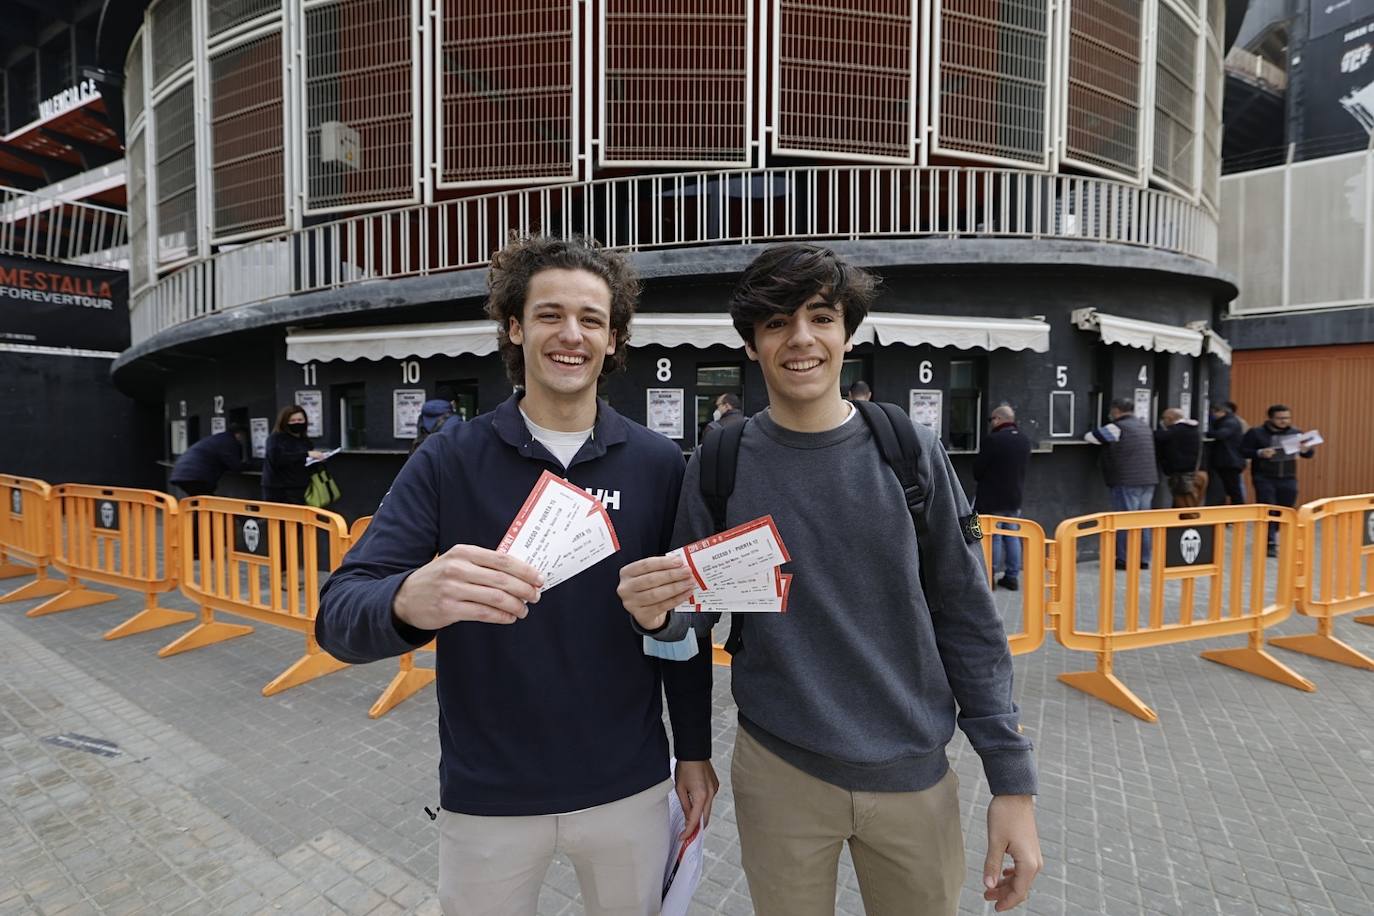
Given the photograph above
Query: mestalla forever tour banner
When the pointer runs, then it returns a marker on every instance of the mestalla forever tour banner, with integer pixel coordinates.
(46, 304)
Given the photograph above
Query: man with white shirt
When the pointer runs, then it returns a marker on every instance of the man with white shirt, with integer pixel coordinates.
(550, 713)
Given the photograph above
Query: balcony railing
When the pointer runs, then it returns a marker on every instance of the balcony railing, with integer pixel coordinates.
(49, 229)
(676, 211)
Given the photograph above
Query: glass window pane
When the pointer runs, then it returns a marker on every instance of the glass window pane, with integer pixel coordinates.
(961, 374)
(721, 378)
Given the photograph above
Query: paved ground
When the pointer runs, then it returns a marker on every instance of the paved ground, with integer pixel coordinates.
(1246, 798)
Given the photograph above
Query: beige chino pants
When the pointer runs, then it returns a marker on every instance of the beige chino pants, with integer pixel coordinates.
(907, 847)
(494, 866)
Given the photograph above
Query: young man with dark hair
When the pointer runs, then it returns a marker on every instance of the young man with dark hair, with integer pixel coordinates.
(550, 716)
(847, 701)
(1274, 471)
(1227, 462)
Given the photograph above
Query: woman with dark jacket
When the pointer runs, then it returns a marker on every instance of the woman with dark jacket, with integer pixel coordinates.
(284, 475)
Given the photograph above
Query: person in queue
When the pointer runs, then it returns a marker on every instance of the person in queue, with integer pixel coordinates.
(284, 474)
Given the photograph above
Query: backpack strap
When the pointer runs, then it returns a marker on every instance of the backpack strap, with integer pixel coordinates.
(719, 458)
(902, 451)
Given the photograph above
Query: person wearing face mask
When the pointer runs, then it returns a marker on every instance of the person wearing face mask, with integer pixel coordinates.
(284, 475)
(728, 411)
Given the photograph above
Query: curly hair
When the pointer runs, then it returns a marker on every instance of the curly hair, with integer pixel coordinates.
(781, 279)
(515, 265)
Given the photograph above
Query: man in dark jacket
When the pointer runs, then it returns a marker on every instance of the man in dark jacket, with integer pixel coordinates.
(199, 469)
(727, 413)
(550, 714)
(1128, 468)
(1000, 472)
(1178, 443)
(1227, 462)
(1273, 450)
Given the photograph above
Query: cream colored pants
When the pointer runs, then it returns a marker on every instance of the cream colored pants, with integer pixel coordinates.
(908, 848)
(494, 866)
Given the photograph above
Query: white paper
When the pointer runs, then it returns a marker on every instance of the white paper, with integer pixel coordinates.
(686, 862)
(926, 406)
(406, 404)
(1143, 397)
(1310, 438)
(739, 570)
(663, 408)
(560, 530)
(257, 427)
(218, 425)
(327, 456)
(1290, 445)
(178, 437)
(312, 402)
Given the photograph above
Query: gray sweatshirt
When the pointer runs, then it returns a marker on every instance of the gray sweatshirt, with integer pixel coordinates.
(858, 683)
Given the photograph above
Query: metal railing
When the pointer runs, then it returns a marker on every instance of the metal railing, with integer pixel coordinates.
(683, 210)
(47, 228)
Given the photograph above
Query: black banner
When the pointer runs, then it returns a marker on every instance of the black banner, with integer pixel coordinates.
(1369, 528)
(1189, 546)
(1332, 15)
(1337, 72)
(46, 304)
(16, 501)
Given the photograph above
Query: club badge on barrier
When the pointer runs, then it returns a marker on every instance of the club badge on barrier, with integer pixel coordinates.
(1189, 547)
(107, 515)
(250, 536)
(17, 501)
(1368, 528)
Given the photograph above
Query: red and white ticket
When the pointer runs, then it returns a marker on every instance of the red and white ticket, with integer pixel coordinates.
(560, 530)
(738, 570)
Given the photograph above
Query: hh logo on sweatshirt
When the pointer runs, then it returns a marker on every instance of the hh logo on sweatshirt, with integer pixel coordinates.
(608, 498)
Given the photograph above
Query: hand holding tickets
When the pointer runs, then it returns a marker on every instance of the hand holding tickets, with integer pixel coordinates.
(738, 570)
(560, 530)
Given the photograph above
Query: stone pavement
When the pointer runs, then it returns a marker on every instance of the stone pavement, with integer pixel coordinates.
(1246, 798)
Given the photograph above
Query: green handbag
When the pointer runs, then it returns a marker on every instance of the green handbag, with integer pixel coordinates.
(322, 490)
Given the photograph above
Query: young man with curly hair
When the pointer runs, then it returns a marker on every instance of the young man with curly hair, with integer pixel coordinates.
(847, 701)
(550, 715)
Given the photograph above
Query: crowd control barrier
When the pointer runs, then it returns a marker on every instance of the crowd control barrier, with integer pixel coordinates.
(1336, 564)
(115, 536)
(26, 534)
(1030, 635)
(409, 680)
(261, 561)
(1221, 548)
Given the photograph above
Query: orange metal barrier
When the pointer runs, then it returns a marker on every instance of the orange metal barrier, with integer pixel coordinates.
(1031, 634)
(26, 534)
(112, 535)
(1336, 569)
(409, 680)
(261, 561)
(1205, 546)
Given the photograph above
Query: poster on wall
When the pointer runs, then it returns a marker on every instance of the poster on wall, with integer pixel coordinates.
(178, 437)
(257, 428)
(927, 408)
(664, 411)
(46, 304)
(1185, 404)
(1142, 404)
(312, 402)
(405, 412)
(218, 425)
(1337, 111)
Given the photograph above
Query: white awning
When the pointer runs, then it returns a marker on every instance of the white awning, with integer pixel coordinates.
(683, 329)
(960, 332)
(1218, 347)
(1132, 332)
(393, 341)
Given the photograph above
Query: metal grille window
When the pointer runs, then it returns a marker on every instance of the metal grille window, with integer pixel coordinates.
(359, 115)
(844, 79)
(171, 44)
(246, 137)
(676, 82)
(1102, 126)
(138, 213)
(133, 81)
(226, 14)
(175, 143)
(994, 78)
(1213, 88)
(1175, 99)
(508, 76)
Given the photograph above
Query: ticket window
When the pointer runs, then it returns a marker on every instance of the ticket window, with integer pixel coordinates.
(352, 415)
(854, 370)
(965, 405)
(712, 382)
(462, 394)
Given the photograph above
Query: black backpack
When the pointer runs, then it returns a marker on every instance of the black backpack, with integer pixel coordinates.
(896, 439)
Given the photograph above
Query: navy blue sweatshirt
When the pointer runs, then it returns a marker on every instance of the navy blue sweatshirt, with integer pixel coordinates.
(559, 711)
(208, 460)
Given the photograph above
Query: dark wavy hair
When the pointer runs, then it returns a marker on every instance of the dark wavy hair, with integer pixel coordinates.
(524, 256)
(782, 278)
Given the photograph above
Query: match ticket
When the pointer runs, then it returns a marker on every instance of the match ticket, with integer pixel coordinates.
(738, 570)
(560, 530)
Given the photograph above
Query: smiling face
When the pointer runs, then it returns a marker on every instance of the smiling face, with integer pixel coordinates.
(564, 335)
(801, 356)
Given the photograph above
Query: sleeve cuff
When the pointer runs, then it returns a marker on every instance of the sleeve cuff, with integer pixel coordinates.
(1011, 772)
(673, 629)
(412, 636)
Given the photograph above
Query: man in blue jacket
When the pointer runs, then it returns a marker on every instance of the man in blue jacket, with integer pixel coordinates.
(848, 701)
(197, 472)
(550, 715)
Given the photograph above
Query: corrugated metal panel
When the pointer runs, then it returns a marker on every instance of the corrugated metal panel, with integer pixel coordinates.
(1328, 390)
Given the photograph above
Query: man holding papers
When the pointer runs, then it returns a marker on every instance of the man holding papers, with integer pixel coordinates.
(1273, 450)
(503, 538)
(849, 698)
